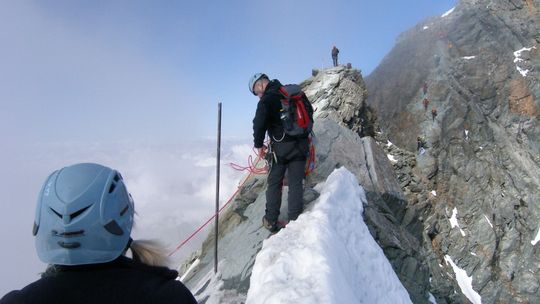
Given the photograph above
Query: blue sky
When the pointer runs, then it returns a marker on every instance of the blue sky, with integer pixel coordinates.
(111, 70)
(131, 84)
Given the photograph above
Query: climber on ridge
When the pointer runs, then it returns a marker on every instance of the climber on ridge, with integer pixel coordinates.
(425, 102)
(335, 52)
(420, 145)
(288, 151)
(433, 114)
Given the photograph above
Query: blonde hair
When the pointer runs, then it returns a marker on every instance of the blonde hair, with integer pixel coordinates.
(149, 252)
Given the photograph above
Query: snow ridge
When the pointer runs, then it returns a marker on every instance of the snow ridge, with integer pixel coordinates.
(327, 255)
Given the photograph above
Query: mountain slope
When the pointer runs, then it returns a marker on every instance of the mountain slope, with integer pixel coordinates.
(477, 187)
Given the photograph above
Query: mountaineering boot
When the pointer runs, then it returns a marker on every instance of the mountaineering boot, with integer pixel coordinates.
(271, 226)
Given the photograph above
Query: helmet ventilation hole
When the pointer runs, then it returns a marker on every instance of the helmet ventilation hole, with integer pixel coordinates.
(112, 187)
(55, 212)
(75, 214)
(69, 245)
(113, 228)
(124, 210)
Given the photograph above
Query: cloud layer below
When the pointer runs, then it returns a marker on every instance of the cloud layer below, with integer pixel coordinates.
(173, 186)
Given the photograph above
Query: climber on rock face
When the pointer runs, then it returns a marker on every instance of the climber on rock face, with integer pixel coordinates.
(424, 88)
(420, 143)
(433, 114)
(288, 153)
(335, 52)
(425, 102)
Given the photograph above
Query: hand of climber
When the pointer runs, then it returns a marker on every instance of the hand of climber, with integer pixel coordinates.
(262, 151)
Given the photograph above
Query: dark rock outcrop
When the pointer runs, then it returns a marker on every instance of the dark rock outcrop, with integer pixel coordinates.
(481, 64)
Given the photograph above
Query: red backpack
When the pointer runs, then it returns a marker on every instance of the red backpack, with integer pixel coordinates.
(296, 112)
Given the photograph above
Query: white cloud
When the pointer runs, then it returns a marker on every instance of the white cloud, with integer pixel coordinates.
(62, 80)
(164, 180)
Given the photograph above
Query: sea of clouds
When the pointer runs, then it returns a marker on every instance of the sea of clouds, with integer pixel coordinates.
(173, 186)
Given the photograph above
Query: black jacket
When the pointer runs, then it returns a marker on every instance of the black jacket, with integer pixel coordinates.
(120, 281)
(267, 116)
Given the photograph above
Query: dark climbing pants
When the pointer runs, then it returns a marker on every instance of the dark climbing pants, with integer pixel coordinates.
(334, 58)
(291, 157)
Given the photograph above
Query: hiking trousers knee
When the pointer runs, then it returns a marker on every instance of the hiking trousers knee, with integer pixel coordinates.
(291, 158)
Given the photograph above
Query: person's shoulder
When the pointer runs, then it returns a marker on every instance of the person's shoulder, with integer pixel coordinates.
(35, 292)
(173, 291)
(14, 296)
(162, 281)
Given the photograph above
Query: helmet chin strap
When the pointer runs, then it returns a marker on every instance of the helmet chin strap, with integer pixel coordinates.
(134, 255)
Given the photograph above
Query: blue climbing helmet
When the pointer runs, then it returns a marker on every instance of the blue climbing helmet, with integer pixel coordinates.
(84, 215)
(254, 79)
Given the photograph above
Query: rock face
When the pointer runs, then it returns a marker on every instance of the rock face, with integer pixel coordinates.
(476, 190)
(338, 95)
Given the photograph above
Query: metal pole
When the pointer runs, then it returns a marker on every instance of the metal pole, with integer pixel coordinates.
(218, 159)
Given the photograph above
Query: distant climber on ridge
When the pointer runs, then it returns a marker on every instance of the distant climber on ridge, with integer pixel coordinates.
(424, 88)
(420, 145)
(433, 114)
(289, 142)
(335, 52)
(425, 102)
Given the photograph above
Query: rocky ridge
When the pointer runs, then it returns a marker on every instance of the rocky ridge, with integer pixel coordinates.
(476, 188)
(338, 95)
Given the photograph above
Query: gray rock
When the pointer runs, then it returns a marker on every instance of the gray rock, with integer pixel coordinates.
(241, 233)
(483, 147)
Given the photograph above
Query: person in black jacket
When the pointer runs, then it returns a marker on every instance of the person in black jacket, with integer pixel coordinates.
(288, 153)
(335, 52)
(82, 228)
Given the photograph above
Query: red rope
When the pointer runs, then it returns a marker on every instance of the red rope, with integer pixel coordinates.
(310, 164)
(251, 167)
(213, 216)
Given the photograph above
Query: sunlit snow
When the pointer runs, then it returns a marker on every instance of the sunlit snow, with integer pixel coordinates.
(517, 59)
(448, 12)
(487, 219)
(464, 282)
(454, 221)
(537, 238)
(327, 255)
